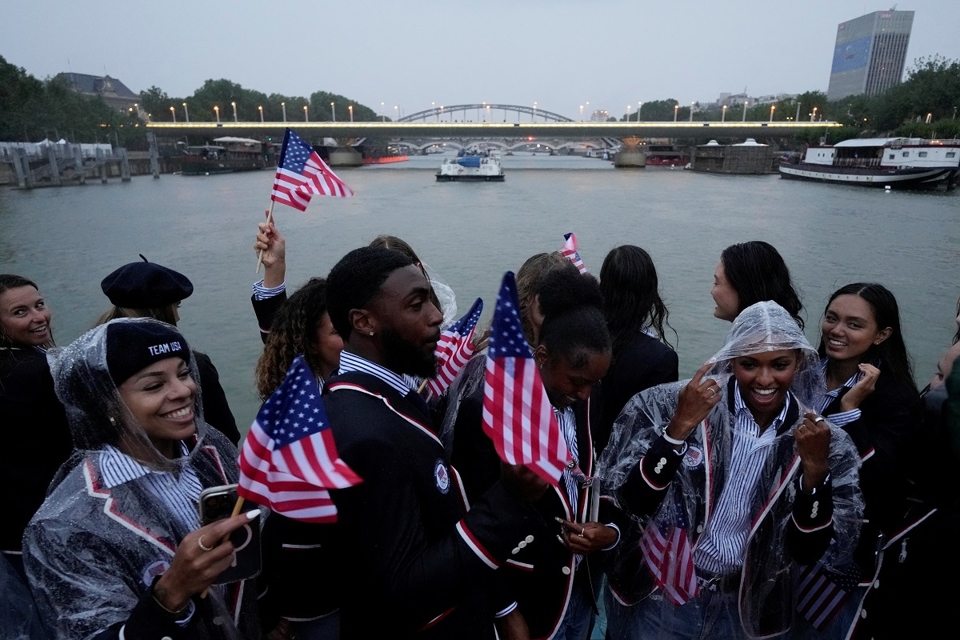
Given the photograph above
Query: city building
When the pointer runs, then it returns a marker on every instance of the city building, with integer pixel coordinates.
(870, 53)
(114, 93)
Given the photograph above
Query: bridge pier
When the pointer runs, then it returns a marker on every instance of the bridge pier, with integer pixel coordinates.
(54, 167)
(78, 168)
(21, 167)
(124, 165)
(630, 158)
(345, 157)
(154, 155)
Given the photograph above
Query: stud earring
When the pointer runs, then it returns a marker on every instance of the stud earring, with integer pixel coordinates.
(371, 333)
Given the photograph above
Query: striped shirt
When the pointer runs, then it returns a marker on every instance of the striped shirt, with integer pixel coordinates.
(261, 292)
(179, 494)
(823, 401)
(568, 427)
(352, 363)
(721, 547)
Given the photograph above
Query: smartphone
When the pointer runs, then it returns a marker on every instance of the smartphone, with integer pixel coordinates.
(217, 503)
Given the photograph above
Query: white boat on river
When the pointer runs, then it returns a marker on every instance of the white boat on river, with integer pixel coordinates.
(485, 167)
(897, 163)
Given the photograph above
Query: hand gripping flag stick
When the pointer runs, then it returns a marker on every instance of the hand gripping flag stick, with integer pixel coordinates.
(301, 174)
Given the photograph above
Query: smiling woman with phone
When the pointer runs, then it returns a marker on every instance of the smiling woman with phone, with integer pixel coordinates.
(117, 550)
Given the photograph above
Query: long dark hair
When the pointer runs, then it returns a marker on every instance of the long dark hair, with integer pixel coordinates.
(293, 331)
(892, 352)
(11, 281)
(631, 300)
(758, 273)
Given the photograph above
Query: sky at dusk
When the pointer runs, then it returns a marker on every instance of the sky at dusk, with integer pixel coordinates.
(559, 53)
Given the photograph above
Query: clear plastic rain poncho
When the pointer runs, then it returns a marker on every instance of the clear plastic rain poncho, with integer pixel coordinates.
(766, 597)
(445, 294)
(96, 545)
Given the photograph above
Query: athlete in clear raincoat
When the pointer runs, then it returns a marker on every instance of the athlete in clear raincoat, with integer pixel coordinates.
(116, 550)
(732, 483)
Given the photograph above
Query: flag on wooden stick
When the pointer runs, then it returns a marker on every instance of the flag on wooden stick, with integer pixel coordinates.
(302, 174)
(517, 414)
(289, 458)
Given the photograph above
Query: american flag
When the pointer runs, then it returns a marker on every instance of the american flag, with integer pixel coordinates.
(822, 594)
(516, 411)
(569, 251)
(289, 457)
(302, 174)
(454, 349)
(669, 556)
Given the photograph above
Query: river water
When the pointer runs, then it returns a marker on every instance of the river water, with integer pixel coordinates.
(67, 239)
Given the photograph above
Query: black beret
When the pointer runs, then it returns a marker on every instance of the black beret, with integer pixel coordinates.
(145, 285)
(135, 344)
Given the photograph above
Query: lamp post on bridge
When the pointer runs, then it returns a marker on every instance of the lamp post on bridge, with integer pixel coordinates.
(186, 114)
(383, 113)
(396, 112)
(260, 109)
(723, 114)
(628, 114)
(433, 105)
(234, 105)
(691, 110)
(639, 110)
(440, 115)
(581, 113)
(676, 110)
(745, 103)
(773, 108)
(306, 113)
(283, 107)
(813, 115)
(173, 112)
(333, 111)
(216, 110)
(534, 117)
(350, 109)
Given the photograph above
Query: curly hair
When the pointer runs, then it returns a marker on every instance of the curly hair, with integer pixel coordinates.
(293, 331)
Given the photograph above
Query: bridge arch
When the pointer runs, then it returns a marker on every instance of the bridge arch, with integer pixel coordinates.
(437, 112)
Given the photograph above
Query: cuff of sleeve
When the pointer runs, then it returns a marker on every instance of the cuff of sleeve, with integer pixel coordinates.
(496, 522)
(615, 542)
(261, 292)
(149, 618)
(844, 417)
(813, 511)
(505, 612)
(660, 464)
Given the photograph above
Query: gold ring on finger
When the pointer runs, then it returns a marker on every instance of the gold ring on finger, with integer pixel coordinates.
(203, 546)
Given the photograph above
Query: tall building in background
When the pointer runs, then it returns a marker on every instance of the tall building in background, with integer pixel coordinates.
(870, 53)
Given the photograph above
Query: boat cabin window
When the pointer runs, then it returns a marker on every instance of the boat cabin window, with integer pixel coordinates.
(922, 154)
(892, 156)
(951, 154)
(906, 154)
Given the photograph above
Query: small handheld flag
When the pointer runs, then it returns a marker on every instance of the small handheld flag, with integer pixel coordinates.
(454, 349)
(516, 411)
(302, 174)
(289, 458)
(569, 251)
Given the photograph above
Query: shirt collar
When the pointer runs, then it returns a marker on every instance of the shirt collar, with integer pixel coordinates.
(854, 379)
(117, 468)
(351, 362)
(740, 406)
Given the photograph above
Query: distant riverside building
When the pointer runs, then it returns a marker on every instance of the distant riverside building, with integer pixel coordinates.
(599, 115)
(870, 53)
(114, 93)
